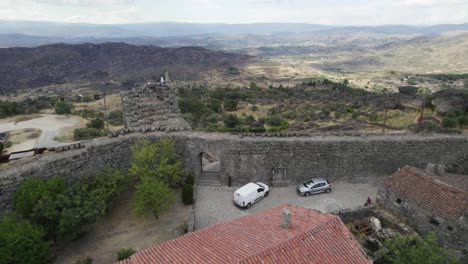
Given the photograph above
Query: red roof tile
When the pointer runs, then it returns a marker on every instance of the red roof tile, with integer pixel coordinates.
(428, 192)
(259, 238)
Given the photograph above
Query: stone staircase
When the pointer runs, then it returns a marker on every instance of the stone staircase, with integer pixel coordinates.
(459, 166)
(209, 178)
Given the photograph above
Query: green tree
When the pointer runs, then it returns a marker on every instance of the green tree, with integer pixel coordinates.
(22, 242)
(32, 190)
(1, 147)
(215, 105)
(62, 108)
(276, 120)
(156, 160)
(152, 196)
(97, 123)
(231, 121)
(413, 249)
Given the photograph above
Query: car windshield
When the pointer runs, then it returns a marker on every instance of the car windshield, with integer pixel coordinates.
(308, 183)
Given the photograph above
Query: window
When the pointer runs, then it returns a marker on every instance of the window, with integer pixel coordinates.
(316, 186)
(260, 190)
(449, 228)
(398, 201)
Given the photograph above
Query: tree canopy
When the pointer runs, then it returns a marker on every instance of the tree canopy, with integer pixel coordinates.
(22, 242)
(413, 249)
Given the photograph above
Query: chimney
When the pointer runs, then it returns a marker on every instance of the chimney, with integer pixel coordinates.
(285, 218)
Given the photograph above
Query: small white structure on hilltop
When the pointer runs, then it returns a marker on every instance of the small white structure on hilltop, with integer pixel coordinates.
(162, 80)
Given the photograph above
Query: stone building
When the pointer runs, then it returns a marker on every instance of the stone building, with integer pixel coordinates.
(153, 107)
(430, 203)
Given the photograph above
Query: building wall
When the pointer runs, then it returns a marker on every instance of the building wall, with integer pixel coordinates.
(277, 160)
(424, 221)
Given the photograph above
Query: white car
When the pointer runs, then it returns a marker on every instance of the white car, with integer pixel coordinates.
(250, 193)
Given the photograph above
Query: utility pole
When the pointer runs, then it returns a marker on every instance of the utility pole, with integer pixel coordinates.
(105, 114)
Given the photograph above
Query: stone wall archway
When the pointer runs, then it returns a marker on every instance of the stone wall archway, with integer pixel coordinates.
(210, 168)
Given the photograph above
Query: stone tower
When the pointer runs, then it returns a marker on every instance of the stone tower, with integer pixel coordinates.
(153, 107)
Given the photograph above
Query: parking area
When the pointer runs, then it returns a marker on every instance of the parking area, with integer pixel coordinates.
(214, 204)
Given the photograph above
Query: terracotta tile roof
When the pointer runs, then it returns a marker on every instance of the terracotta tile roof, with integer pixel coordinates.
(428, 192)
(258, 238)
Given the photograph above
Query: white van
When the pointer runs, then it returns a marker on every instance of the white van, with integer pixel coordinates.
(250, 193)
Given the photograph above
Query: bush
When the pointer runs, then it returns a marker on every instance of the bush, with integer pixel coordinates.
(230, 105)
(462, 120)
(187, 194)
(254, 108)
(212, 118)
(22, 242)
(215, 105)
(414, 249)
(86, 133)
(276, 120)
(63, 212)
(374, 117)
(125, 253)
(448, 122)
(190, 180)
(96, 123)
(1, 147)
(62, 108)
(231, 121)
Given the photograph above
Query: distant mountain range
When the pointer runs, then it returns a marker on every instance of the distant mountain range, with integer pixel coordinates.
(33, 33)
(63, 63)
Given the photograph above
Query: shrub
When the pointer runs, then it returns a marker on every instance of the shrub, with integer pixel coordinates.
(1, 147)
(448, 122)
(22, 242)
(414, 249)
(257, 129)
(86, 133)
(190, 180)
(62, 108)
(275, 120)
(125, 253)
(254, 108)
(374, 117)
(212, 118)
(96, 123)
(230, 105)
(187, 194)
(231, 121)
(215, 105)
(462, 120)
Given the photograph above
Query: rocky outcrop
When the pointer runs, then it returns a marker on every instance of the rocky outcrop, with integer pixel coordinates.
(450, 100)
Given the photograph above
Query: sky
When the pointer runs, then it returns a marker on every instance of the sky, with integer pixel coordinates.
(329, 12)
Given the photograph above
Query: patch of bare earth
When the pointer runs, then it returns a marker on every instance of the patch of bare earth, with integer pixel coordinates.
(122, 229)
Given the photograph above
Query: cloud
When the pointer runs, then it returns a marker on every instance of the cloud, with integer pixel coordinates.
(86, 3)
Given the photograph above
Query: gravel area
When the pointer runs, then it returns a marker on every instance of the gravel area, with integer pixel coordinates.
(214, 204)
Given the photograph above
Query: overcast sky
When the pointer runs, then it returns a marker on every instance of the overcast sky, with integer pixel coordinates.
(332, 12)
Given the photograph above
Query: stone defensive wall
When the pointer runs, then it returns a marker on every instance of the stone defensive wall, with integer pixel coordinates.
(273, 160)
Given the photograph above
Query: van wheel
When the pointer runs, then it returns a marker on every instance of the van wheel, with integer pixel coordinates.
(307, 194)
(328, 190)
(248, 205)
(266, 194)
